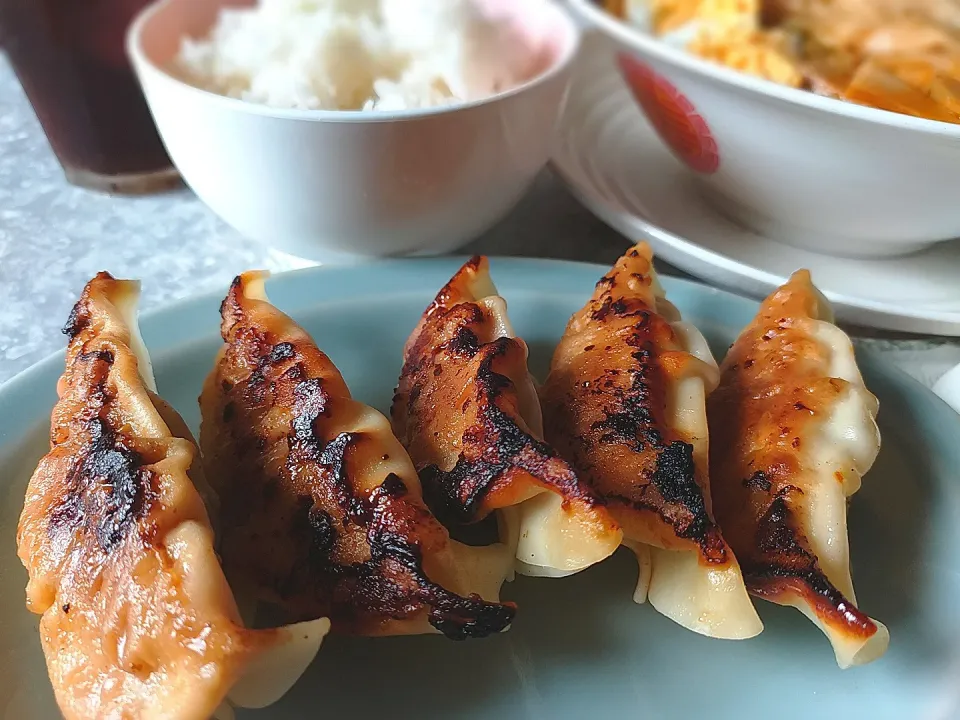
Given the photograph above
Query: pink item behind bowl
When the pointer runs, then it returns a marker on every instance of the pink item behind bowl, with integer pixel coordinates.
(537, 26)
(173, 21)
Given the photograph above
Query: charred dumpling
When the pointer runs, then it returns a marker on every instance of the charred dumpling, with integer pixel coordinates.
(322, 513)
(467, 411)
(793, 430)
(624, 403)
(137, 617)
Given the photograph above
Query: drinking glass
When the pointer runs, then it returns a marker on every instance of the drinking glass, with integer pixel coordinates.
(69, 56)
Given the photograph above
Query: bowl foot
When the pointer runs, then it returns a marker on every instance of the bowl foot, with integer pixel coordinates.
(809, 238)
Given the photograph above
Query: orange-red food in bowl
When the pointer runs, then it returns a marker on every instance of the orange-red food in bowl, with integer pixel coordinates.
(794, 161)
(897, 55)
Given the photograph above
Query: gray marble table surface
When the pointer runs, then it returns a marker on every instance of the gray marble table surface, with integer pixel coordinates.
(54, 237)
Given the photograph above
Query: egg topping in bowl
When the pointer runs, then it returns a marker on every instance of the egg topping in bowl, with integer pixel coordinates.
(897, 55)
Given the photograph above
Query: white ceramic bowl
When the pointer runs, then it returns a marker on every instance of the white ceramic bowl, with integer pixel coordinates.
(321, 184)
(815, 172)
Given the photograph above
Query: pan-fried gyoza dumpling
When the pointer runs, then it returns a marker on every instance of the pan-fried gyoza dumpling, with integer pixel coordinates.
(137, 617)
(322, 513)
(467, 411)
(624, 403)
(793, 430)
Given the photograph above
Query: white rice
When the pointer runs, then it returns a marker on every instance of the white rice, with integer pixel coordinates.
(356, 54)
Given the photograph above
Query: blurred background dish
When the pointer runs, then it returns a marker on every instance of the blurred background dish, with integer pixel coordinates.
(818, 173)
(324, 184)
(365, 55)
(611, 157)
(69, 58)
(896, 55)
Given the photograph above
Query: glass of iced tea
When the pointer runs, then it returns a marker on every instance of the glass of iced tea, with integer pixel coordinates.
(69, 56)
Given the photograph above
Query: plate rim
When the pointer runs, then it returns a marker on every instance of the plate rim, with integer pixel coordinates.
(23, 380)
(894, 379)
(212, 295)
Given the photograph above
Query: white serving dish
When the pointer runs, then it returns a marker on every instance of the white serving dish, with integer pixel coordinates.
(612, 159)
(819, 173)
(324, 184)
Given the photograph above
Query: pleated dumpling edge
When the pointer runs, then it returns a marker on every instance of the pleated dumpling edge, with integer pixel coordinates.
(797, 431)
(137, 616)
(322, 509)
(467, 410)
(625, 403)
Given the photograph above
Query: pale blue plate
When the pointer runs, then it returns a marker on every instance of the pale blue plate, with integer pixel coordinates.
(580, 648)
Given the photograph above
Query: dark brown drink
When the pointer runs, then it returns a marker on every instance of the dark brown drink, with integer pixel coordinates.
(69, 56)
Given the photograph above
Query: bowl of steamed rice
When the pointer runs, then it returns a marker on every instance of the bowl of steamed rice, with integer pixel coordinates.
(363, 127)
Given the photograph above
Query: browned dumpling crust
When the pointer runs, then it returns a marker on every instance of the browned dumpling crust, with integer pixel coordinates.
(137, 618)
(625, 403)
(322, 510)
(467, 411)
(606, 406)
(793, 431)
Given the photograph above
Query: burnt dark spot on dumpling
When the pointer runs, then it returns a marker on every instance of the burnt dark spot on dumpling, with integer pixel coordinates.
(493, 448)
(465, 343)
(393, 486)
(77, 320)
(681, 504)
(333, 458)
(617, 307)
(675, 479)
(392, 583)
(310, 402)
(104, 356)
(631, 421)
(786, 564)
(120, 470)
(235, 291)
(306, 446)
(776, 533)
(633, 416)
(280, 352)
(109, 489)
(456, 616)
(324, 532)
(758, 481)
(68, 514)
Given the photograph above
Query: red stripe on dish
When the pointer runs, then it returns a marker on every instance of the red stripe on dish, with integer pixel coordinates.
(672, 115)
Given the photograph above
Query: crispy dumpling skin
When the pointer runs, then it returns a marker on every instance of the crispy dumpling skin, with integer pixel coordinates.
(467, 411)
(624, 403)
(322, 509)
(137, 618)
(793, 430)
